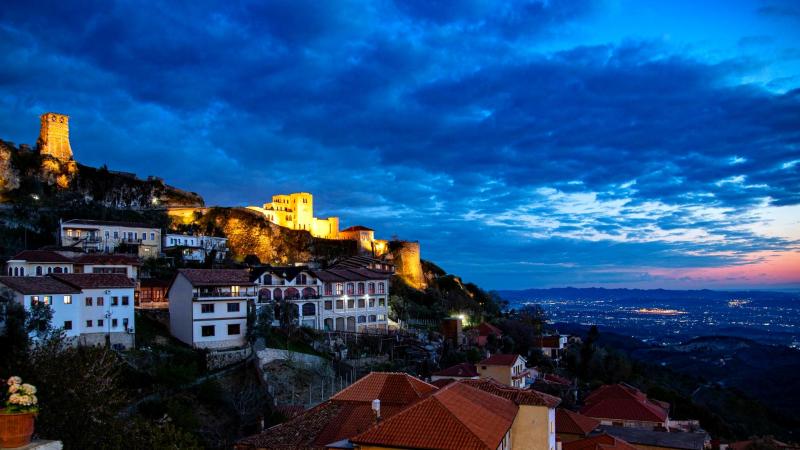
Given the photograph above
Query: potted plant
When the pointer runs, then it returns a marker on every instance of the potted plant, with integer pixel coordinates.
(16, 418)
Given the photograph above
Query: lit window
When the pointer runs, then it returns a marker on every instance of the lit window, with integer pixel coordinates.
(48, 300)
(67, 299)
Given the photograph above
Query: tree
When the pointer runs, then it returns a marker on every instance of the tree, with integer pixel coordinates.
(588, 350)
(39, 318)
(261, 324)
(14, 343)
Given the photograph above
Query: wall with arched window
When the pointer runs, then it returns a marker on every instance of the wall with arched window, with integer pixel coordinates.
(291, 294)
(309, 309)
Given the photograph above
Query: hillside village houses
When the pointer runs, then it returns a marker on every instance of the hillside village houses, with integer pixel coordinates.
(92, 309)
(509, 370)
(196, 248)
(107, 236)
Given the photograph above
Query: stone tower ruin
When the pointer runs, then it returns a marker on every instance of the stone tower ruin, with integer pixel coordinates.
(54, 136)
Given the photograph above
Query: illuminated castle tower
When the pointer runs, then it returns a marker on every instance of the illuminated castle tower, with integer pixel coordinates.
(54, 136)
(296, 211)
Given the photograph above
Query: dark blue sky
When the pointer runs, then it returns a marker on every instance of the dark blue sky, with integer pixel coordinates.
(525, 144)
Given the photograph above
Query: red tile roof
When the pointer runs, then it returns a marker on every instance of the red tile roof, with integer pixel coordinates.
(41, 256)
(516, 395)
(599, 442)
(108, 259)
(485, 329)
(38, 285)
(389, 387)
(358, 228)
(548, 341)
(570, 422)
(457, 417)
(108, 223)
(214, 277)
(95, 280)
(345, 415)
(499, 360)
(623, 402)
(463, 370)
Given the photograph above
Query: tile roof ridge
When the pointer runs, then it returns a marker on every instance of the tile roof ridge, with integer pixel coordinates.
(451, 386)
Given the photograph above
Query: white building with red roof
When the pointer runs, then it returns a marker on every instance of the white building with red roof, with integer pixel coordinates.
(509, 369)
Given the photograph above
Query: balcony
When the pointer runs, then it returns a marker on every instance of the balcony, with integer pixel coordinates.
(224, 293)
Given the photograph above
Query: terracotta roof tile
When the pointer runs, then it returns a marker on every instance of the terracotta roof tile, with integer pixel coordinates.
(485, 329)
(500, 359)
(212, 277)
(573, 423)
(623, 402)
(455, 417)
(108, 259)
(516, 395)
(42, 256)
(95, 280)
(599, 442)
(38, 285)
(399, 388)
(463, 370)
(358, 228)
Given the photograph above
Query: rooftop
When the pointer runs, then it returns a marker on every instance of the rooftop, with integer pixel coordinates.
(389, 387)
(215, 277)
(570, 422)
(358, 228)
(518, 396)
(500, 359)
(457, 417)
(113, 259)
(598, 442)
(677, 440)
(38, 285)
(95, 280)
(463, 370)
(107, 223)
(485, 329)
(41, 256)
(623, 402)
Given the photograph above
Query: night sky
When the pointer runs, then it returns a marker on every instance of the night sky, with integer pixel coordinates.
(524, 144)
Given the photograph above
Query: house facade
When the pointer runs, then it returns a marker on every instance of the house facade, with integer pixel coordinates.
(92, 309)
(552, 346)
(344, 299)
(509, 370)
(196, 247)
(108, 236)
(208, 308)
(45, 262)
(33, 263)
(622, 405)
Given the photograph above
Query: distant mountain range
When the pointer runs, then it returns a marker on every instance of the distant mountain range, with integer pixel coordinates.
(571, 293)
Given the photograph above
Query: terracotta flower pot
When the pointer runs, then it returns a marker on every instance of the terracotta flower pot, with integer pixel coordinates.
(16, 429)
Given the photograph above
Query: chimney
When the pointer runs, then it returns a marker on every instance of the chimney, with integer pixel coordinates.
(376, 406)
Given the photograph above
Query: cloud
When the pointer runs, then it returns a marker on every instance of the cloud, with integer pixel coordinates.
(460, 124)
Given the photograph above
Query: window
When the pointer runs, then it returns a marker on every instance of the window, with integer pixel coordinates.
(339, 289)
(67, 299)
(100, 322)
(22, 271)
(106, 234)
(328, 305)
(381, 288)
(234, 290)
(339, 304)
(206, 308)
(48, 300)
(114, 323)
(34, 299)
(381, 317)
(350, 289)
(361, 303)
(360, 288)
(372, 303)
(362, 319)
(371, 288)
(302, 279)
(114, 301)
(116, 235)
(152, 236)
(381, 302)
(232, 307)
(88, 301)
(49, 270)
(88, 324)
(124, 300)
(99, 301)
(207, 330)
(67, 324)
(351, 303)
(234, 329)
(144, 236)
(39, 270)
(372, 318)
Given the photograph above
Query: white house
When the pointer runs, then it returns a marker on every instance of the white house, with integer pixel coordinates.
(208, 308)
(196, 247)
(91, 308)
(552, 346)
(37, 263)
(108, 236)
(343, 299)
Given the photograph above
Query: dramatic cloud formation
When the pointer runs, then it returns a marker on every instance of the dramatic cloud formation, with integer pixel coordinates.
(529, 143)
